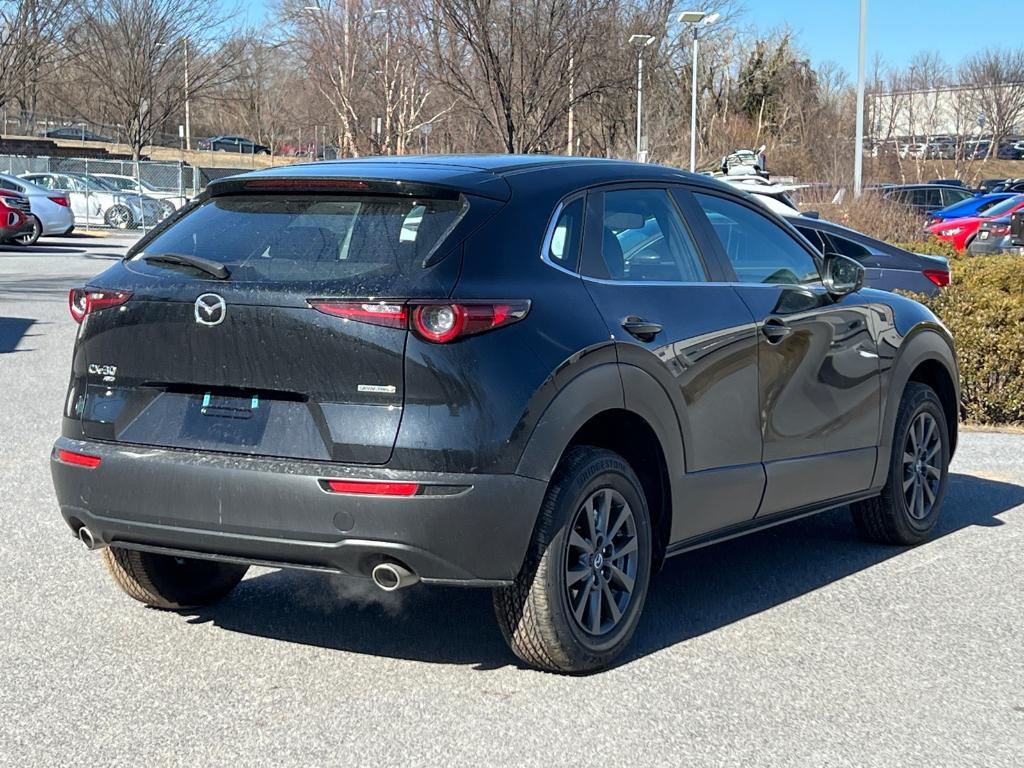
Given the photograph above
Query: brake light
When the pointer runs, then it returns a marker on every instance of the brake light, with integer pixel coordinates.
(437, 322)
(388, 314)
(82, 301)
(312, 185)
(938, 276)
(78, 459)
(61, 201)
(372, 488)
(1003, 230)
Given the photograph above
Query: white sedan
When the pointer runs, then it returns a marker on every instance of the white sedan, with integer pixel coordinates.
(51, 210)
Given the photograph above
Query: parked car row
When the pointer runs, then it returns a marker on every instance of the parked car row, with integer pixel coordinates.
(949, 148)
(885, 266)
(54, 203)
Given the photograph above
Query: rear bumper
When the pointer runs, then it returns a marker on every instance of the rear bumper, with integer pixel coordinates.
(463, 529)
(55, 219)
(989, 246)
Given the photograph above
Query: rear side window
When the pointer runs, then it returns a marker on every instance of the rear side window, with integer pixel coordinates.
(271, 238)
(564, 247)
(850, 248)
(759, 250)
(644, 240)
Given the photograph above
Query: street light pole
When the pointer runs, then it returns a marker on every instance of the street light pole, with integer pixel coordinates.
(697, 19)
(693, 106)
(858, 148)
(188, 122)
(641, 42)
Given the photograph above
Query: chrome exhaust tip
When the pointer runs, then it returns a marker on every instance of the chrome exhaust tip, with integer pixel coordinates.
(393, 576)
(86, 537)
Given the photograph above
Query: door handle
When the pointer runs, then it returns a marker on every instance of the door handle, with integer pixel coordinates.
(775, 330)
(640, 328)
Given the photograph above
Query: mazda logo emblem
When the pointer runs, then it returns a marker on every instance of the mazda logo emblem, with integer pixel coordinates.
(210, 309)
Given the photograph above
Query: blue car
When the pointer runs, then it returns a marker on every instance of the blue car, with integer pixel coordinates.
(972, 206)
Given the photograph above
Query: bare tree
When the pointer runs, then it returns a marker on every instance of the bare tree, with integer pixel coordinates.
(134, 52)
(31, 36)
(996, 78)
(508, 60)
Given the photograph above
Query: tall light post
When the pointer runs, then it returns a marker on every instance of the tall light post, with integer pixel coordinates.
(641, 42)
(858, 148)
(696, 19)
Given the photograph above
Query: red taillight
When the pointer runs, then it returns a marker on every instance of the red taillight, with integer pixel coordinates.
(938, 276)
(78, 459)
(389, 314)
(441, 323)
(82, 301)
(372, 488)
(437, 322)
(61, 201)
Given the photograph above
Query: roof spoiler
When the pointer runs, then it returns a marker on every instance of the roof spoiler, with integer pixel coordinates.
(234, 185)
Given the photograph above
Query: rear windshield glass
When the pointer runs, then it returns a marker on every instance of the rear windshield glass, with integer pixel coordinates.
(264, 238)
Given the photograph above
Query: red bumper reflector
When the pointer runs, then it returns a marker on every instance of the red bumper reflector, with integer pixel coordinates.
(78, 459)
(371, 488)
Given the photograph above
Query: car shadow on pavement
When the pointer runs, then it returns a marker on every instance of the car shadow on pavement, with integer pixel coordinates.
(696, 593)
(12, 331)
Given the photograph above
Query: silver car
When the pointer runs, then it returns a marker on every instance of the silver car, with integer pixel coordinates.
(96, 202)
(171, 199)
(51, 211)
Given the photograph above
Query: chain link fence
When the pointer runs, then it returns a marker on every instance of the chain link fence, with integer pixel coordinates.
(104, 192)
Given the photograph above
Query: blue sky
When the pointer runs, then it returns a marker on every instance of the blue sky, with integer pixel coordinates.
(897, 29)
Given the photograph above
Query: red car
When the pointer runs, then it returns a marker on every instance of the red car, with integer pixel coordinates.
(15, 215)
(960, 232)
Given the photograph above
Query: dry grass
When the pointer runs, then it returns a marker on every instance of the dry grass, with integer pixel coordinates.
(875, 217)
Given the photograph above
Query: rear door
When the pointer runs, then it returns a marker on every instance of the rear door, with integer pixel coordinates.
(664, 301)
(817, 361)
(268, 361)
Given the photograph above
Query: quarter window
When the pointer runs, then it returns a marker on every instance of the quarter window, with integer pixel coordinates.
(643, 239)
(759, 250)
(564, 247)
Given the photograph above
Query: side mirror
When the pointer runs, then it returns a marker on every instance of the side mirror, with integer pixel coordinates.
(842, 275)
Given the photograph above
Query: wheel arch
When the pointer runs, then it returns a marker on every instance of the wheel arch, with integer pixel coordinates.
(622, 409)
(925, 356)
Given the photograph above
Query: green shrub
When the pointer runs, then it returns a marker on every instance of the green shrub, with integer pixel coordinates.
(931, 247)
(984, 310)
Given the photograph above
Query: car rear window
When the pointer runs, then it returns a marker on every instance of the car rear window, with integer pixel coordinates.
(273, 238)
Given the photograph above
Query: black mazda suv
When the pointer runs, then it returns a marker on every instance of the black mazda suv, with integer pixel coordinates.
(539, 375)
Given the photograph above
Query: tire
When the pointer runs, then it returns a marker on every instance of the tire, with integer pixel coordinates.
(536, 613)
(170, 583)
(166, 209)
(118, 217)
(30, 238)
(896, 516)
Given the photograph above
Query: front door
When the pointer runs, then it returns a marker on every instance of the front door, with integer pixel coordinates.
(819, 388)
(672, 316)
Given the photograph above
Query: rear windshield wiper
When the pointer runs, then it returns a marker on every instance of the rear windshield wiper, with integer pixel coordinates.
(210, 267)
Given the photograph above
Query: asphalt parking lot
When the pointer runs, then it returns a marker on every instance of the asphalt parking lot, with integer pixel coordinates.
(798, 646)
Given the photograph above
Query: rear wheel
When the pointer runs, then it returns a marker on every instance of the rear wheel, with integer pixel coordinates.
(908, 508)
(163, 581)
(30, 238)
(118, 217)
(577, 599)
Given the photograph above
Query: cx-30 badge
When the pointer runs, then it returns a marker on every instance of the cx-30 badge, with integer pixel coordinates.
(210, 309)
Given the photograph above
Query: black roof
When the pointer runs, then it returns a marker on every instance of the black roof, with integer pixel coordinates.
(486, 175)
